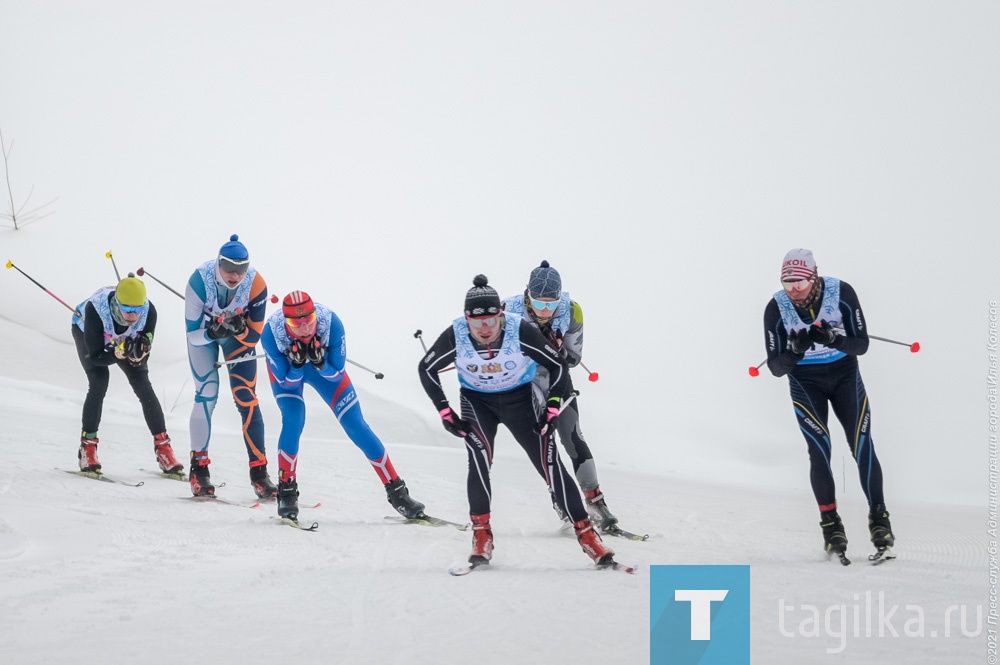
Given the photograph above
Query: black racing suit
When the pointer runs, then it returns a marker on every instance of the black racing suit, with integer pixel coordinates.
(515, 409)
(838, 383)
(96, 358)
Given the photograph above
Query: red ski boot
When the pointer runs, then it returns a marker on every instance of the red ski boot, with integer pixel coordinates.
(482, 540)
(591, 543)
(165, 454)
(88, 453)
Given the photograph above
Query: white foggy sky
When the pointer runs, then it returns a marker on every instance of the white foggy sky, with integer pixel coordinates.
(663, 156)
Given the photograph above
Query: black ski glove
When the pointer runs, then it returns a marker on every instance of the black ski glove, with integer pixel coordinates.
(297, 354)
(453, 423)
(227, 324)
(799, 342)
(316, 352)
(136, 349)
(822, 333)
(549, 419)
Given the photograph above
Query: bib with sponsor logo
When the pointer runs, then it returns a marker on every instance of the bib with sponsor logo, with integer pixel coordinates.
(284, 340)
(829, 310)
(507, 370)
(103, 307)
(239, 302)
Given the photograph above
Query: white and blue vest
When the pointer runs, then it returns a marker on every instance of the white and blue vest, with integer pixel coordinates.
(241, 300)
(507, 370)
(103, 307)
(284, 340)
(560, 322)
(829, 310)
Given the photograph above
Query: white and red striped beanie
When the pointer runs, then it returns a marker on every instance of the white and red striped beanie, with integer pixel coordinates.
(296, 304)
(798, 264)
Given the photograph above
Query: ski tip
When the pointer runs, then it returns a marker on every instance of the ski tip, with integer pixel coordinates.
(620, 567)
(297, 524)
(466, 568)
(881, 556)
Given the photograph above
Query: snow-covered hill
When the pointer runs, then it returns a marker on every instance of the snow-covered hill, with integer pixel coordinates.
(144, 575)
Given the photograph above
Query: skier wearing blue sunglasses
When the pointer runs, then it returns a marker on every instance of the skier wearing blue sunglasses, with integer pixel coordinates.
(546, 306)
(115, 326)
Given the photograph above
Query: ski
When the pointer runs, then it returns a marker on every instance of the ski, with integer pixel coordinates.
(97, 475)
(272, 502)
(294, 523)
(211, 498)
(882, 554)
(841, 557)
(479, 562)
(427, 520)
(466, 568)
(615, 530)
(180, 475)
(620, 567)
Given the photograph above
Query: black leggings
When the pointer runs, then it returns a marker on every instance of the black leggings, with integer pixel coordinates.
(840, 384)
(98, 377)
(514, 409)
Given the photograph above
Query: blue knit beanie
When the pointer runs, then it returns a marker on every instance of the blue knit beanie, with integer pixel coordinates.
(545, 282)
(234, 250)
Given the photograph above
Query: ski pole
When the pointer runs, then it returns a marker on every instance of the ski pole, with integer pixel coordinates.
(914, 348)
(72, 309)
(141, 271)
(114, 265)
(220, 363)
(591, 376)
(378, 375)
(572, 396)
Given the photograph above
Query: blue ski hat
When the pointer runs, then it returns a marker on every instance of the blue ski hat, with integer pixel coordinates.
(545, 282)
(234, 250)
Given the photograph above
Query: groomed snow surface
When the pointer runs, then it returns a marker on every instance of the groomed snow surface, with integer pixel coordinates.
(114, 574)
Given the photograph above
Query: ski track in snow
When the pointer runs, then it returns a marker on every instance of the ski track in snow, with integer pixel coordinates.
(85, 562)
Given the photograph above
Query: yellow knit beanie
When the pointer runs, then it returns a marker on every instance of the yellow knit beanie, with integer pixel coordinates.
(131, 291)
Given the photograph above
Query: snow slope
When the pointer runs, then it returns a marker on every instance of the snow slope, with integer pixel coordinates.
(144, 575)
(663, 156)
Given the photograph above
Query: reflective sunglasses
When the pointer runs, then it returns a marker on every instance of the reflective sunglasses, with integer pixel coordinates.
(301, 321)
(229, 265)
(538, 304)
(797, 285)
(488, 321)
(130, 309)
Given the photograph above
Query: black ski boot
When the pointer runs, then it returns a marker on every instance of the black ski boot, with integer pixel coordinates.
(599, 512)
(288, 499)
(261, 482)
(200, 479)
(879, 527)
(833, 532)
(400, 499)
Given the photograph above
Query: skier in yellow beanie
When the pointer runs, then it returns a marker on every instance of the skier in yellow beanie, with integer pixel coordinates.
(115, 326)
